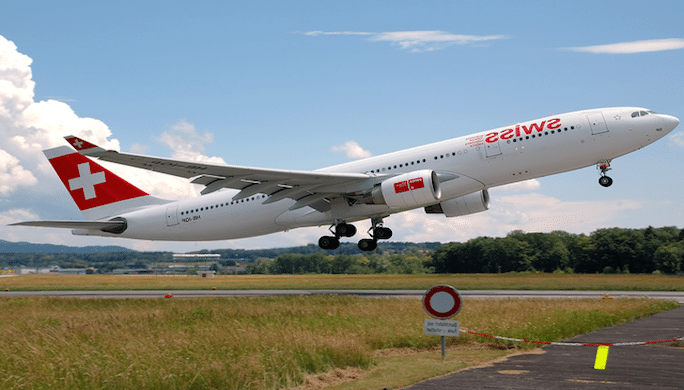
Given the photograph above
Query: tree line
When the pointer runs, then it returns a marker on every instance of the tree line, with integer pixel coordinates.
(613, 250)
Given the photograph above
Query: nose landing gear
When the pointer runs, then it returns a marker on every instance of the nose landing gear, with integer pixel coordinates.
(604, 166)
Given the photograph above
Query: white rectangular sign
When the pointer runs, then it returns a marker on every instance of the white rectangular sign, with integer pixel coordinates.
(441, 328)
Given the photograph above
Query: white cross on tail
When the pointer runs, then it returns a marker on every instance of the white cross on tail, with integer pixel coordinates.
(86, 181)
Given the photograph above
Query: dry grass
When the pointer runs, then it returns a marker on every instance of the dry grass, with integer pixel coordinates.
(523, 281)
(261, 343)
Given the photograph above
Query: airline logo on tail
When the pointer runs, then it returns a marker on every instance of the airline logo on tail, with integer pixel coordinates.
(89, 183)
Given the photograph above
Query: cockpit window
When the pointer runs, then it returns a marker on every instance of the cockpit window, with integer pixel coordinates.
(637, 114)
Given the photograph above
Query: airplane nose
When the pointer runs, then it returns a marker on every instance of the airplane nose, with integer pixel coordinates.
(670, 122)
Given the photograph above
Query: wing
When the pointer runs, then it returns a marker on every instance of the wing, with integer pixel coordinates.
(308, 188)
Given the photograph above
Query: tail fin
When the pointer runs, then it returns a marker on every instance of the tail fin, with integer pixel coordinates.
(97, 192)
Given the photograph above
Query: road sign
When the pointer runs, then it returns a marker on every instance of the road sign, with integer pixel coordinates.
(442, 328)
(442, 301)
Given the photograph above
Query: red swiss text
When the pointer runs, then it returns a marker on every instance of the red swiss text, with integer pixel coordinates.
(520, 130)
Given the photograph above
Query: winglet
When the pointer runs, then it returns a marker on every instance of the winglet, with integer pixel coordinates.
(84, 147)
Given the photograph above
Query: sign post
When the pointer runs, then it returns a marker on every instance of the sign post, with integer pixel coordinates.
(442, 302)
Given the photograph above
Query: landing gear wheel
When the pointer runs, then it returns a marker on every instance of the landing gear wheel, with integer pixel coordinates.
(345, 230)
(368, 245)
(329, 243)
(605, 181)
(382, 233)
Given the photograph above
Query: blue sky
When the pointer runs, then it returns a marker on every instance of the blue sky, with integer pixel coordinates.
(288, 84)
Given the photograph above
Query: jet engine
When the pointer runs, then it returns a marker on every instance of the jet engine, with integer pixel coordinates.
(464, 205)
(408, 190)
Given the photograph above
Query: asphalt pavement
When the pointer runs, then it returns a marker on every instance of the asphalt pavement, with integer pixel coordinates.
(677, 296)
(652, 366)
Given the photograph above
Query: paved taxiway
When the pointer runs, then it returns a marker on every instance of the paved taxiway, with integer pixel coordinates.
(654, 366)
(677, 296)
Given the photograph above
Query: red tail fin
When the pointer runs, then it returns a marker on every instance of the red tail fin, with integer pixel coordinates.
(92, 186)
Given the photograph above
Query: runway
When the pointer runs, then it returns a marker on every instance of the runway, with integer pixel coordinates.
(677, 296)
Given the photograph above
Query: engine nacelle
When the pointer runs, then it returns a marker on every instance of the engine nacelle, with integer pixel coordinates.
(408, 190)
(464, 205)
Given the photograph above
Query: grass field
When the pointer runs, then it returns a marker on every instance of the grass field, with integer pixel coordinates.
(514, 281)
(269, 343)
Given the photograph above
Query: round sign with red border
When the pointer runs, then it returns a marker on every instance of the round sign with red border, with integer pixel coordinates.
(442, 301)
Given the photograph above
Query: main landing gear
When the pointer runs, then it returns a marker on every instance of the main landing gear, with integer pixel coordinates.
(377, 232)
(342, 229)
(604, 166)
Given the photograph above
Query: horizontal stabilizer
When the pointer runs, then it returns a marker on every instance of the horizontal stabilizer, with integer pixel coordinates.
(107, 226)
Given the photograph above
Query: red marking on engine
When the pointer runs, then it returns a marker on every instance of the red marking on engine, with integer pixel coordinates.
(400, 187)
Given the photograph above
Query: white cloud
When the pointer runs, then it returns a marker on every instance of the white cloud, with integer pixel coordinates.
(187, 143)
(12, 174)
(316, 33)
(352, 150)
(523, 186)
(677, 139)
(645, 46)
(27, 127)
(417, 41)
(530, 212)
(139, 148)
(16, 215)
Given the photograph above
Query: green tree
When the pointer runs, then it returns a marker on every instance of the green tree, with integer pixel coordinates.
(582, 257)
(458, 257)
(670, 258)
(618, 248)
(406, 264)
(260, 266)
(342, 264)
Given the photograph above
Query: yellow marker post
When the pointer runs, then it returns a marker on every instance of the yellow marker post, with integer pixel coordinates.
(601, 357)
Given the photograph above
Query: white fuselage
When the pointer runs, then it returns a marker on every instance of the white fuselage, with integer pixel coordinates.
(479, 161)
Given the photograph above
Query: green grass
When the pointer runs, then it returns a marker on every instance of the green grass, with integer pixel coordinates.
(267, 343)
(514, 281)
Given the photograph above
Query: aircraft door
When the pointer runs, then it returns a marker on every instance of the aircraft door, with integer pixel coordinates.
(492, 149)
(172, 216)
(597, 123)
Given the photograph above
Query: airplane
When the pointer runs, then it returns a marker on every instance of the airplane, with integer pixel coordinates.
(451, 178)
